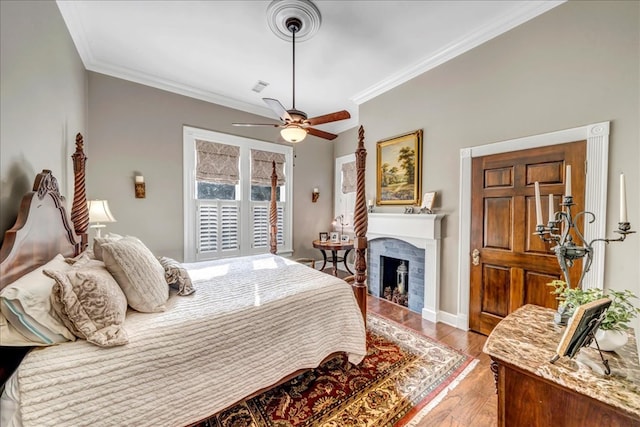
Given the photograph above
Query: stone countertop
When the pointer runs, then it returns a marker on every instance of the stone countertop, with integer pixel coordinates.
(528, 338)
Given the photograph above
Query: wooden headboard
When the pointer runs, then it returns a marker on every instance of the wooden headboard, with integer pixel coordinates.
(43, 229)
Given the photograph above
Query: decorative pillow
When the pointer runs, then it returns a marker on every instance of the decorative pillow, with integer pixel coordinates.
(91, 304)
(176, 275)
(99, 241)
(26, 305)
(138, 273)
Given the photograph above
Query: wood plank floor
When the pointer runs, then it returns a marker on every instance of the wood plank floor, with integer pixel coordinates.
(473, 402)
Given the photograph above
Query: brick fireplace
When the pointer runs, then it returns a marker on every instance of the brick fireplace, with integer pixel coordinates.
(414, 239)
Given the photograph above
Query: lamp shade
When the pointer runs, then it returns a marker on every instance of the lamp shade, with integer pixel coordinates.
(293, 133)
(99, 211)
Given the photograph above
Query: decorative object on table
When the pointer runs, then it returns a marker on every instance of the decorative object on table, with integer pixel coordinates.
(344, 238)
(139, 187)
(335, 237)
(427, 202)
(339, 220)
(561, 225)
(324, 236)
(560, 228)
(99, 213)
(399, 170)
(409, 210)
(616, 318)
(581, 328)
(315, 194)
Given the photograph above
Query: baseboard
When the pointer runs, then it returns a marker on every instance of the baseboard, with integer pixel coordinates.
(446, 318)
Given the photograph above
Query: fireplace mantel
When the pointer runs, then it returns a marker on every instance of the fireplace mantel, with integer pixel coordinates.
(422, 231)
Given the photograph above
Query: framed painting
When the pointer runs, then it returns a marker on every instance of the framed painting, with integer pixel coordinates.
(399, 170)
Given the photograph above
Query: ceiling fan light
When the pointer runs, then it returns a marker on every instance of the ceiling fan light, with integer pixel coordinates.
(293, 134)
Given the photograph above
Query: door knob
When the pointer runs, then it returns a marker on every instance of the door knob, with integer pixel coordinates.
(475, 257)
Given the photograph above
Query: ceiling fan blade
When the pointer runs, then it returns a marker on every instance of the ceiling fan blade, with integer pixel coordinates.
(275, 125)
(333, 117)
(277, 108)
(322, 134)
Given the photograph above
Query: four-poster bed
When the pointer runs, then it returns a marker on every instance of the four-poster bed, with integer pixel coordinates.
(218, 349)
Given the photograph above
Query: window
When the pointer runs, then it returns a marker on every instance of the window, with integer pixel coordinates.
(227, 194)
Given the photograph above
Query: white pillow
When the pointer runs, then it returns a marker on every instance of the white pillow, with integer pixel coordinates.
(26, 305)
(99, 241)
(138, 272)
(10, 337)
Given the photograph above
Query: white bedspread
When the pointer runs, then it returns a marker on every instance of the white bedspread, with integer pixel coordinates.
(252, 322)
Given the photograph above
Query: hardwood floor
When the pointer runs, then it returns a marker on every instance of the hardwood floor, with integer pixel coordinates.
(474, 401)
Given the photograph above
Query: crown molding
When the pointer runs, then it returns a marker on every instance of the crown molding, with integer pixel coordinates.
(525, 13)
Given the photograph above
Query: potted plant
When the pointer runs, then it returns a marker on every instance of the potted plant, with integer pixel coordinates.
(616, 318)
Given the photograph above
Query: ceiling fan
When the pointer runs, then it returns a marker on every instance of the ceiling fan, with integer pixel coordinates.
(294, 123)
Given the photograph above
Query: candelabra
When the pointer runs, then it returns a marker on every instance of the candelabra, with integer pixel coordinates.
(559, 228)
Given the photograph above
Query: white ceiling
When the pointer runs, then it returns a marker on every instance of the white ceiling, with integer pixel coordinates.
(217, 50)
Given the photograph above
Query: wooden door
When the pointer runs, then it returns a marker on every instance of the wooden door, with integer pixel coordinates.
(510, 265)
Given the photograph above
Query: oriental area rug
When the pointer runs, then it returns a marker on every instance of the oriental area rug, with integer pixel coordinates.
(403, 376)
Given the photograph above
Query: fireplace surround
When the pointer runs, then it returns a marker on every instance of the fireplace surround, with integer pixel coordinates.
(422, 232)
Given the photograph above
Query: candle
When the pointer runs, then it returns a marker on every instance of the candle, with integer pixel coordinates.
(316, 190)
(567, 191)
(538, 205)
(623, 199)
(139, 179)
(552, 211)
(369, 202)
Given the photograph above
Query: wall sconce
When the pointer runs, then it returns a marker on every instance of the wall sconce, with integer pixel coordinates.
(315, 194)
(139, 187)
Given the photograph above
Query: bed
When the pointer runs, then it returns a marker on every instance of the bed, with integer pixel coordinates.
(252, 323)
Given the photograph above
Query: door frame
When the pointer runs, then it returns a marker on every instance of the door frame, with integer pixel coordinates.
(597, 137)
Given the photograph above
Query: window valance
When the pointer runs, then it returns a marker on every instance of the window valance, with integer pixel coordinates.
(217, 163)
(261, 165)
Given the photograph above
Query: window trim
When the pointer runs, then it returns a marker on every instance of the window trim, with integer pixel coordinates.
(190, 134)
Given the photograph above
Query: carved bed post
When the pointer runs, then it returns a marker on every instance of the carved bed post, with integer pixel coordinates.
(273, 212)
(361, 221)
(79, 210)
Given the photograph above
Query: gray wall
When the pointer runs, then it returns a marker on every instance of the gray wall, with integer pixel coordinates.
(576, 64)
(42, 102)
(138, 129)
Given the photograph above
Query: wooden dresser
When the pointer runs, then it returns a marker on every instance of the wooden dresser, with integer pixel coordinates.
(534, 392)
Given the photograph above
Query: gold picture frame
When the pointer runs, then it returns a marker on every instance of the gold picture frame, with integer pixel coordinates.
(399, 170)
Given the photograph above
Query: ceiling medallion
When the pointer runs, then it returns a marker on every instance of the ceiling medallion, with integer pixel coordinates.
(279, 11)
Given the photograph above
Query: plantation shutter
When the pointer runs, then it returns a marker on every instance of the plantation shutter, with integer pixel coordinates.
(348, 177)
(217, 163)
(261, 167)
(218, 227)
(260, 212)
(208, 228)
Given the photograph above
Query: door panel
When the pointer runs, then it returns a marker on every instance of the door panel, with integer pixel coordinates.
(498, 213)
(495, 299)
(537, 291)
(515, 265)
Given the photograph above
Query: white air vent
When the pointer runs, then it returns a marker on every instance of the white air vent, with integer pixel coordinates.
(259, 87)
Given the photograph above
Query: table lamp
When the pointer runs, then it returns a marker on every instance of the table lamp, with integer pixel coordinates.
(99, 213)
